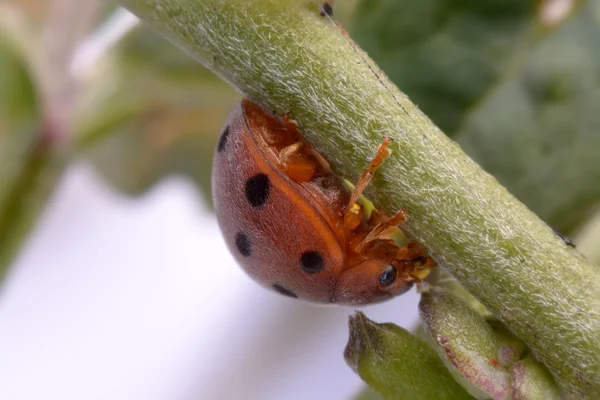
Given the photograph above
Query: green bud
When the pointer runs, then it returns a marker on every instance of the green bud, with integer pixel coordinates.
(397, 364)
(532, 381)
(510, 347)
(367, 393)
(465, 342)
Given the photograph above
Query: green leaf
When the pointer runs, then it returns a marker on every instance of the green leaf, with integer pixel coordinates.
(519, 96)
(446, 55)
(539, 132)
(465, 342)
(510, 348)
(397, 364)
(483, 356)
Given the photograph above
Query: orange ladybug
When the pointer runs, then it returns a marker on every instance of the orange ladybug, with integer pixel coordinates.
(294, 227)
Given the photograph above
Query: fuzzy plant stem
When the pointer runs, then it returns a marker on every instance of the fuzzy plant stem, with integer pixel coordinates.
(289, 58)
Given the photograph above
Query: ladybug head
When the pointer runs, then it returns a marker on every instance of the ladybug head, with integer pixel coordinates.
(371, 281)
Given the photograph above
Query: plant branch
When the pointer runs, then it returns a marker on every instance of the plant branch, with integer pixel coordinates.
(68, 22)
(23, 201)
(286, 56)
(35, 148)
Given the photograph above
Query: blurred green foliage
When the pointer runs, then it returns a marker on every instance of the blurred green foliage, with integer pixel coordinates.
(160, 115)
(445, 54)
(518, 91)
(19, 108)
(29, 165)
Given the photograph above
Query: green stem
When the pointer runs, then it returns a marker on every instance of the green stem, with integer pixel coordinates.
(24, 197)
(287, 57)
(30, 161)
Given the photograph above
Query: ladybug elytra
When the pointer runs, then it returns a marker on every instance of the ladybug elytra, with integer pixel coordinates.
(294, 226)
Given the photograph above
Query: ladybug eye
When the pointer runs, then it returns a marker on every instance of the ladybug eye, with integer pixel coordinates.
(389, 276)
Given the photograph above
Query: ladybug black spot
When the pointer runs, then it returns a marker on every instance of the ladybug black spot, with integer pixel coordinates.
(257, 190)
(284, 291)
(389, 276)
(223, 139)
(326, 10)
(242, 242)
(312, 262)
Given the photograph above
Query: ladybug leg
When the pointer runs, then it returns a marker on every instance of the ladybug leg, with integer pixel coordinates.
(417, 258)
(412, 260)
(292, 127)
(300, 160)
(353, 210)
(414, 270)
(384, 230)
(421, 268)
(297, 163)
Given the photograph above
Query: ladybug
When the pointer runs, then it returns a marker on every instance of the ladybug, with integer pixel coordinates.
(293, 224)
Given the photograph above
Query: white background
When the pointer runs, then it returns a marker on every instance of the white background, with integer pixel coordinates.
(118, 298)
